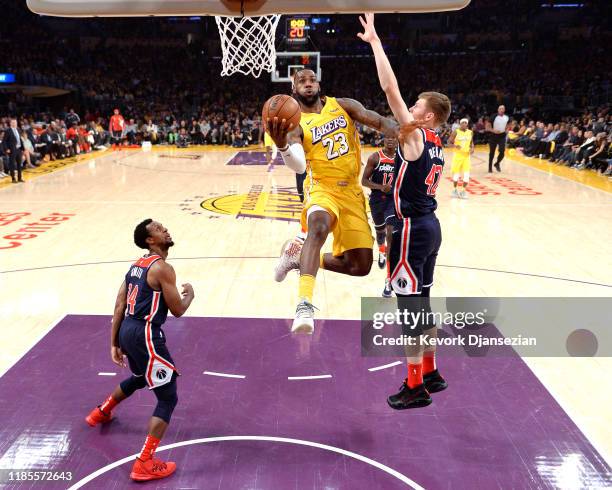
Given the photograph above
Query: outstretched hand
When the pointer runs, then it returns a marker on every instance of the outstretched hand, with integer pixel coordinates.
(407, 129)
(369, 31)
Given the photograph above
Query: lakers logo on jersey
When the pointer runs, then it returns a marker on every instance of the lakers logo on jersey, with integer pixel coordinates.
(331, 144)
(319, 131)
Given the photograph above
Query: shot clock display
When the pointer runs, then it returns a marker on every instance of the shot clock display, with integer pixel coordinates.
(297, 29)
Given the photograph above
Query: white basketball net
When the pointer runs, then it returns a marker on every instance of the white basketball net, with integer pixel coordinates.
(247, 44)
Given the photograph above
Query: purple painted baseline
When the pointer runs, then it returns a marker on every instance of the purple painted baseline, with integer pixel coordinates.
(495, 427)
(247, 157)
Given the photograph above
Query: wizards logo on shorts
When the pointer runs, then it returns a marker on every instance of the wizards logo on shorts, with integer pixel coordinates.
(319, 131)
(161, 374)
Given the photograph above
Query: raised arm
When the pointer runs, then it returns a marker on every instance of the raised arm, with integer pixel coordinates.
(162, 276)
(373, 119)
(388, 81)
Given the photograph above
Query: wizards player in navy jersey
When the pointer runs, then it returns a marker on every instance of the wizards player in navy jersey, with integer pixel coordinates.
(378, 176)
(145, 296)
(416, 230)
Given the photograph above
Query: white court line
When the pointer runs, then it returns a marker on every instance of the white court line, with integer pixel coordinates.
(555, 175)
(107, 374)
(232, 157)
(36, 341)
(576, 417)
(320, 376)
(378, 368)
(224, 375)
(301, 442)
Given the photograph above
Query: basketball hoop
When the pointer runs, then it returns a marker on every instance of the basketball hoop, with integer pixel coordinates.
(247, 43)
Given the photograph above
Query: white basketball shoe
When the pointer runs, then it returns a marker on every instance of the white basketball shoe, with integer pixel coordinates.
(289, 258)
(304, 318)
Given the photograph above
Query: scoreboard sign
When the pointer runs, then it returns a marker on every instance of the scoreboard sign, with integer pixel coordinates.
(297, 30)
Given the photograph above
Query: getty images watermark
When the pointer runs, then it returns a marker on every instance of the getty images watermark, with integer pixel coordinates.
(416, 326)
(476, 327)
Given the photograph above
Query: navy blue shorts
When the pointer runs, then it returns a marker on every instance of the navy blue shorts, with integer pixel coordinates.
(414, 249)
(382, 210)
(144, 344)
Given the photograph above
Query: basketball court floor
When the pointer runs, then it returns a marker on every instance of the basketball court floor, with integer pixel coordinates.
(258, 407)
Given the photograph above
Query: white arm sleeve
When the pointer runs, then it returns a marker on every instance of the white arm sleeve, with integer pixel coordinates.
(294, 157)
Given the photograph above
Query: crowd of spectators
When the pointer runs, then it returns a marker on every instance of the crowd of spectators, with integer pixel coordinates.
(164, 76)
(580, 142)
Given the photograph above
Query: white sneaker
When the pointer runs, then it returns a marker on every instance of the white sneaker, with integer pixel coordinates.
(304, 318)
(388, 291)
(289, 259)
(382, 260)
(463, 195)
(455, 193)
(2, 175)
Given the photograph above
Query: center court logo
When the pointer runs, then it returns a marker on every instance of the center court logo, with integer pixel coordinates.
(278, 203)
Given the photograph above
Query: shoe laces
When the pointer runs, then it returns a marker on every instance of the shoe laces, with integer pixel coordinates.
(159, 465)
(294, 249)
(305, 308)
(104, 414)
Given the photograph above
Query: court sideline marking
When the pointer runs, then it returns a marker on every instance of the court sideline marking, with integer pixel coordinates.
(224, 375)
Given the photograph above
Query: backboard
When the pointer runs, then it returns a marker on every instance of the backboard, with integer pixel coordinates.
(287, 63)
(137, 8)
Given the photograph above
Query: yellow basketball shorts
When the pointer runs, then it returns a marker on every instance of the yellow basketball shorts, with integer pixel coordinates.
(347, 206)
(461, 163)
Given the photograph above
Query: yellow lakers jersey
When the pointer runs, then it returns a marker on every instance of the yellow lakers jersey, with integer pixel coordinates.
(331, 144)
(464, 140)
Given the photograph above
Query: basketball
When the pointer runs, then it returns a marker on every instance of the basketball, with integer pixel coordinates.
(284, 107)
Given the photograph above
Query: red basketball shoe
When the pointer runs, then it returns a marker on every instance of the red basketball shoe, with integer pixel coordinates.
(151, 469)
(97, 416)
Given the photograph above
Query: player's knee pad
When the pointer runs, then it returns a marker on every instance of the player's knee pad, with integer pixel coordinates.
(131, 384)
(167, 399)
(466, 177)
